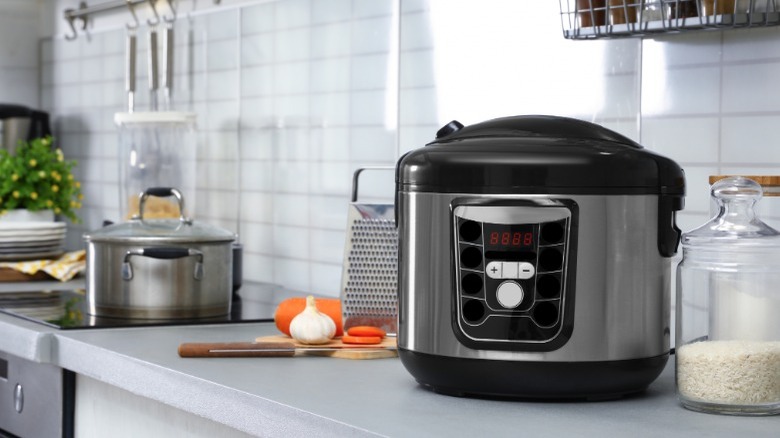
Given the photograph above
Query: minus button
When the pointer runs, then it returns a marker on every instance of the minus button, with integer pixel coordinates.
(525, 270)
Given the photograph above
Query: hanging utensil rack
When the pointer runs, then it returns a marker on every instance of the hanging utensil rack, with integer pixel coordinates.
(600, 19)
(84, 12)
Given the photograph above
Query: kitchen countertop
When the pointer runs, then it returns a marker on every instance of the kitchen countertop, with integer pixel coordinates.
(337, 397)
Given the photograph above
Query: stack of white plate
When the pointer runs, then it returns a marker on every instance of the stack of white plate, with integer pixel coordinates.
(31, 240)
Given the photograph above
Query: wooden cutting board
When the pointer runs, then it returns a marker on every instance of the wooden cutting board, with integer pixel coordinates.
(11, 275)
(388, 348)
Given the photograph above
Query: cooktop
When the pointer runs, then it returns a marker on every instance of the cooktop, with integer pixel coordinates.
(66, 309)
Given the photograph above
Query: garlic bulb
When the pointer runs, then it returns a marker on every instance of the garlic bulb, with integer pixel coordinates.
(312, 326)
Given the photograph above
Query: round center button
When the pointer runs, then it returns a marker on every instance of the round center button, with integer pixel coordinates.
(509, 294)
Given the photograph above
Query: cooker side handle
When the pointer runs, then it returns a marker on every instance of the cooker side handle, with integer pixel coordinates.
(668, 232)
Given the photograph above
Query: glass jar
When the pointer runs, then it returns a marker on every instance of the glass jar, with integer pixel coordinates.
(728, 303)
(156, 149)
(769, 207)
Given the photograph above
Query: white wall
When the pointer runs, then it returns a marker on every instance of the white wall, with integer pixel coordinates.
(293, 95)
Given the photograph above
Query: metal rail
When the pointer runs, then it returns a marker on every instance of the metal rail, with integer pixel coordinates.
(84, 12)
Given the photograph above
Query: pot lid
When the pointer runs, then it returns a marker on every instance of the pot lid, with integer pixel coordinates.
(736, 225)
(160, 231)
(536, 154)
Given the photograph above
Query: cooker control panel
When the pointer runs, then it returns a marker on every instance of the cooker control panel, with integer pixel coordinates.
(512, 264)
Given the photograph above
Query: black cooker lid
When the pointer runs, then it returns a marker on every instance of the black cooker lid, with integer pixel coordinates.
(536, 154)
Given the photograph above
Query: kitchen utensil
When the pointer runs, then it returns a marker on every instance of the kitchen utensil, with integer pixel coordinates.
(535, 259)
(280, 346)
(168, 47)
(130, 59)
(159, 268)
(153, 69)
(21, 123)
(728, 331)
(369, 294)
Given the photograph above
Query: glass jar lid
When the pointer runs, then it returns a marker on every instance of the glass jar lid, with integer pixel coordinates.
(736, 224)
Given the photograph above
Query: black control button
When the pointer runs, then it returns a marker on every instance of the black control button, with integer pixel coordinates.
(471, 257)
(471, 283)
(548, 286)
(545, 314)
(473, 310)
(550, 259)
(470, 231)
(552, 233)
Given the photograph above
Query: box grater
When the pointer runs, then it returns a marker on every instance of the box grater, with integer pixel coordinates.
(369, 281)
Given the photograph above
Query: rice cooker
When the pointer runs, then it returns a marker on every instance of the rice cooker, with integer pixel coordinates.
(535, 259)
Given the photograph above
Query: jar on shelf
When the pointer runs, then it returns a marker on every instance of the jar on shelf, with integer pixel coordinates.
(156, 149)
(728, 308)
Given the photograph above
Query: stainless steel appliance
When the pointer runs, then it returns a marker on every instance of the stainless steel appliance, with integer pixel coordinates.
(21, 123)
(160, 268)
(534, 259)
(37, 398)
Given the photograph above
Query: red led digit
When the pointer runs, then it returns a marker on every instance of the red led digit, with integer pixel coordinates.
(529, 239)
(517, 238)
(506, 237)
(494, 238)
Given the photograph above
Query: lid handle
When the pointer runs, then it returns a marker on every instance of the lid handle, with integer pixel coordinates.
(162, 192)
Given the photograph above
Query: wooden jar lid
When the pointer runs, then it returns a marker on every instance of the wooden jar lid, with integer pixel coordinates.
(764, 180)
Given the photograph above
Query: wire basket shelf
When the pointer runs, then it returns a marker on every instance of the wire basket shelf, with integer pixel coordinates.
(594, 19)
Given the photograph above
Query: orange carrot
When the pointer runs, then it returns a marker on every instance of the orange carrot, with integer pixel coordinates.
(366, 330)
(347, 339)
(291, 307)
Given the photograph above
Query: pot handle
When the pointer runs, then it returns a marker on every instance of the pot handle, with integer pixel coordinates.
(167, 253)
(162, 192)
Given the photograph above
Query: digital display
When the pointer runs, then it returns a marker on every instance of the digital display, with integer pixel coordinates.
(504, 237)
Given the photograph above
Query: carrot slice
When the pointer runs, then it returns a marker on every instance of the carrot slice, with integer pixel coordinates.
(366, 330)
(347, 339)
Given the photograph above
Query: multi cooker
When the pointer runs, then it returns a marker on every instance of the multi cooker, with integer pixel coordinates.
(534, 259)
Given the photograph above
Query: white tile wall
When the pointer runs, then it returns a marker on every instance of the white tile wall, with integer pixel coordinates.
(293, 95)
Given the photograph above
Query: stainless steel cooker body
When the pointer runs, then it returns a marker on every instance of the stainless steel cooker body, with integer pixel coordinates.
(621, 284)
(535, 259)
(127, 280)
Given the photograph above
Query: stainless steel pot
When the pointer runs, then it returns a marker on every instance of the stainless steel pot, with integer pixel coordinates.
(159, 268)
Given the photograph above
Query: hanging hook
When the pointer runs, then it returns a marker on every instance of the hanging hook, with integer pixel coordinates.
(131, 6)
(156, 15)
(70, 19)
(173, 12)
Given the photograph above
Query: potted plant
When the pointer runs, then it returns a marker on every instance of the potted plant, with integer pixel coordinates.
(38, 178)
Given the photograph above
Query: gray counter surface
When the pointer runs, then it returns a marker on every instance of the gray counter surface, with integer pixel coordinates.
(316, 396)
(319, 396)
